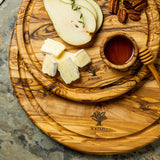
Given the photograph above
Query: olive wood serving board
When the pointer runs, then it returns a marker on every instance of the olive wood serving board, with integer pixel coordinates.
(97, 82)
(98, 120)
(29, 93)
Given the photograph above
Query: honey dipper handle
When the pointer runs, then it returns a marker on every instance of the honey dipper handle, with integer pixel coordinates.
(154, 72)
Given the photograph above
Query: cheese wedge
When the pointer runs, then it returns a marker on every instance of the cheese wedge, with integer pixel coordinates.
(82, 58)
(52, 47)
(68, 71)
(49, 66)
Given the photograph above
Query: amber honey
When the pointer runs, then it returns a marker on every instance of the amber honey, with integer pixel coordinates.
(119, 50)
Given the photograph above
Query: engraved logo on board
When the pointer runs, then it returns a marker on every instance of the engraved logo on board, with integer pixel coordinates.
(99, 117)
(93, 70)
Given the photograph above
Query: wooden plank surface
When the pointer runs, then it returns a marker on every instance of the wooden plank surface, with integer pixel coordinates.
(97, 82)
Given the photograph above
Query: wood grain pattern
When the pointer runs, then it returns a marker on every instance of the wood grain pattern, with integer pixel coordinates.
(142, 101)
(99, 82)
(67, 114)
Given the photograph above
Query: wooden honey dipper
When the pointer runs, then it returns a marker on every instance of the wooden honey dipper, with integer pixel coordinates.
(146, 58)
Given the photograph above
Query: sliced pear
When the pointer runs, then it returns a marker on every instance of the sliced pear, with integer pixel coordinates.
(85, 4)
(99, 13)
(67, 22)
(89, 20)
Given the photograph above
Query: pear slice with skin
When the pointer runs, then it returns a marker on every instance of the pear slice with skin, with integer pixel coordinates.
(85, 4)
(89, 20)
(99, 13)
(66, 22)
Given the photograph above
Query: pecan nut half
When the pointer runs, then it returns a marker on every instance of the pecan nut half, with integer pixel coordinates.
(122, 15)
(139, 5)
(134, 17)
(132, 11)
(114, 6)
(127, 4)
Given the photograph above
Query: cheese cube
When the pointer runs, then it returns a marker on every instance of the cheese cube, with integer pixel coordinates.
(49, 66)
(68, 71)
(52, 47)
(66, 55)
(82, 58)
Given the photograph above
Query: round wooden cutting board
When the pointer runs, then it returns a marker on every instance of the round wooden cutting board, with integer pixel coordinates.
(106, 120)
(98, 82)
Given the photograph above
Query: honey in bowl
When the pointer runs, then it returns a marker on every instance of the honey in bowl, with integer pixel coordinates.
(119, 50)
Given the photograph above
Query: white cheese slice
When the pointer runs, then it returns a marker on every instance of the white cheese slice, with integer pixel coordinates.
(68, 71)
(49, 66)
(52, 47)
(82, 58)
(66, 55)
